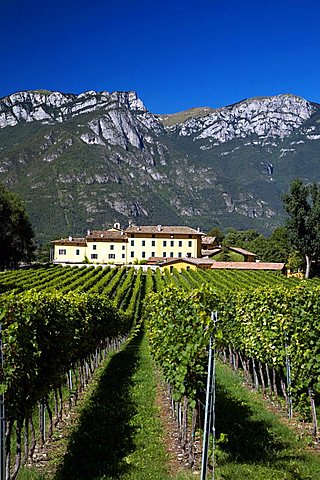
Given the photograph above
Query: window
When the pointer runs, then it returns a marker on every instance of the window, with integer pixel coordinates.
(179, 254)
(164, 254)
(111, 255)
(132, 254)
(190, 243)
(164, 243)
(153, 236)
(94, 256)
(77, 251)
(153, 243)
(143, 254)
(111, 247)
(94, 247)
(153, 254)
(143, 243)
(171, 243)
(123, 255)
(180, 243)
(171, 254)
(62, 251)
(123, 247)
(132, 243)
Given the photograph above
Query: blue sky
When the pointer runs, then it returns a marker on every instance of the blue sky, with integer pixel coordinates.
(176, 54)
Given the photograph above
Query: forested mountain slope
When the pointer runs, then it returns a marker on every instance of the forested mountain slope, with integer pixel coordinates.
(85, 161)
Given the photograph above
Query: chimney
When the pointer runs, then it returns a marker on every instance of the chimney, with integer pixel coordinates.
(159, 228)
(88, 232)
(70, 238)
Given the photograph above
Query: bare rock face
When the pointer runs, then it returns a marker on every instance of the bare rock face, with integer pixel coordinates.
(122, 119)
(264, 117)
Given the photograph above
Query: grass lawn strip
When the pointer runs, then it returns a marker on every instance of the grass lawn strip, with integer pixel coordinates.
(257, 444)
(116, 431)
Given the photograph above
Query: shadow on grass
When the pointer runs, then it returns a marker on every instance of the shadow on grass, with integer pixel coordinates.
(249, 439)
(104, 435)
(8, 287)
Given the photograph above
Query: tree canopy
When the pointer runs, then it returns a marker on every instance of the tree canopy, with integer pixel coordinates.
(217, 233)
(16, 234)
(275, 248)
(302, 205)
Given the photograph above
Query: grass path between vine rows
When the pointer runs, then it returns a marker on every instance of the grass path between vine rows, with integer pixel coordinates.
(119, 431)
(258, 444)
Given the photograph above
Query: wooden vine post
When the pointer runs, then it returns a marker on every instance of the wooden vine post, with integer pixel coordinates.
(209, 421)
(288, 372)
(2, 420)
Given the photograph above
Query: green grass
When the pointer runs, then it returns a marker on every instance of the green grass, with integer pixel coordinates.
(260, 445)
(232, 257)
(119, 433)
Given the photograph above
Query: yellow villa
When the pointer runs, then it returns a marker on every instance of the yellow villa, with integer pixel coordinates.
(132, 245)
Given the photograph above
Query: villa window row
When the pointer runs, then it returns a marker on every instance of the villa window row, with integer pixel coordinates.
(165, 243)
(111, 256)
(111, 247)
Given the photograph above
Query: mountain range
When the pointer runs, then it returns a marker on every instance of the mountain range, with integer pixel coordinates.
(89, 160)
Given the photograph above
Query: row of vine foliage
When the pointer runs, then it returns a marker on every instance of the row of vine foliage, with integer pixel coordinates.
(263, 328)
(46, 335)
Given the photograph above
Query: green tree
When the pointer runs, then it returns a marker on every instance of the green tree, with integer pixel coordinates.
(43, 253)
(225, 255)
(302, 205)
(295, 261)
(239, 238)
(216, 232)
(16, 234)
(275, 248)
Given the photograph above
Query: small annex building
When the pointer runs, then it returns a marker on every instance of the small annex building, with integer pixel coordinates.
(186, 263)
(208, 263)
(279, 267)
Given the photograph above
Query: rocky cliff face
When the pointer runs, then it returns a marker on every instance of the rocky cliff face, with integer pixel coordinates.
(91, 159)
(124, 114)
(269, 117)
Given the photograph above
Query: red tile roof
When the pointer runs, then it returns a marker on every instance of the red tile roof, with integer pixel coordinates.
(103, 235)
(163, 229)
(209, 240)
(248, 265)
(70, 241)
(193, 261)
(154, 260)
(242, 251)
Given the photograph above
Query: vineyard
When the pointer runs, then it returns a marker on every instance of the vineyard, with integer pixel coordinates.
(59, 323)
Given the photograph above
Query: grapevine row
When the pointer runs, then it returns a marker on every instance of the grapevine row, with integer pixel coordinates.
(260, 330)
